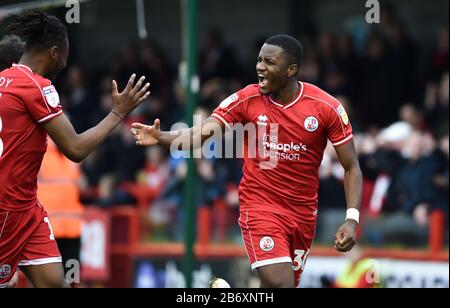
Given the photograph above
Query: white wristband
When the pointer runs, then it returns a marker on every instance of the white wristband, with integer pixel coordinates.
(353, 214)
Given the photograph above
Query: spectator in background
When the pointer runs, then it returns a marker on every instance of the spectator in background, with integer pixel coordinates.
(439, 61)
(154, 178)
(212, 91)
(154, 64)
(346, 56)
(166, 213)
(440, 176)
(78, 100)
(436, 105)
(128, 62)
(412, 183)
(58, 189)
(409, 113)
(336, 82)
(311, 70)
(403, 54)
(217, 59)
(440, 183)
(326, 50)
(122, 166)
(11, 50)
(380, 158)
(375, 105)
(156, 172)
(409, 197)
(94, 167)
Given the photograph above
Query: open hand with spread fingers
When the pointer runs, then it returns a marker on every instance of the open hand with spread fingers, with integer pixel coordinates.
(131, 97)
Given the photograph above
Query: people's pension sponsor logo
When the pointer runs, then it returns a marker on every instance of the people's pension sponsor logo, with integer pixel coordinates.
(271, 143)
(273, 149)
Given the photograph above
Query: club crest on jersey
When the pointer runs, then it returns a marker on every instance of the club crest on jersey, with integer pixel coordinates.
(230, 100)
(311, 124)
(5, 271)
(343, 115)
(262, 120)
(51, 96)
(267, 243)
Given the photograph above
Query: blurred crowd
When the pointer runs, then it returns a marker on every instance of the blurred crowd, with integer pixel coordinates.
(396, 95)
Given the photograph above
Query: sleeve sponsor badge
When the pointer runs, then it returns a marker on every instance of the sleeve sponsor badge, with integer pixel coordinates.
(51, 96)
(343, 115)
(230, 100)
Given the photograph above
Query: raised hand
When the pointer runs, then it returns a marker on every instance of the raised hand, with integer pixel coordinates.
(146, 135)
(130, 98)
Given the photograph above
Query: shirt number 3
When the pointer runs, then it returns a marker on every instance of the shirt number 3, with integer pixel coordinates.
(300, 259)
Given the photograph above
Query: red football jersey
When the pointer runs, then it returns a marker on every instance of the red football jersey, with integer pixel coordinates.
(283, 177)
(27, 100)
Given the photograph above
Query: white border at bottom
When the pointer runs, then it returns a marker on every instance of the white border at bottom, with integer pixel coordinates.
(271, 261)
(40, 261)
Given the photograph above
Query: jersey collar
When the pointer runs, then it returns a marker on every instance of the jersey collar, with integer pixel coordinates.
(23, 66)
(295, 101)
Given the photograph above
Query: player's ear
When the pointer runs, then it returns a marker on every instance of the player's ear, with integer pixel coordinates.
(54, 51)
(292, 70)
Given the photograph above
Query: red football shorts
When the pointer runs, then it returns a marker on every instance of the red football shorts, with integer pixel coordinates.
(26, 238)
(271, 239)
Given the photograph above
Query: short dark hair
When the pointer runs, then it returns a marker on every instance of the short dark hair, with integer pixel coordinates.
(11, 50)
(39, 30)
(290, 45)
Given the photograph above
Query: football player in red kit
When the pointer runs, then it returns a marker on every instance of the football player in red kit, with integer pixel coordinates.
(11, 50)
(29, 111)
(279, 190)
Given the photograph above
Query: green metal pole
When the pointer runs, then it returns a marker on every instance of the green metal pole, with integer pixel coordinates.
(191, 57)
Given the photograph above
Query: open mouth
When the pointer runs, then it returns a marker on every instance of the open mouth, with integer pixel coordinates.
(263, 81)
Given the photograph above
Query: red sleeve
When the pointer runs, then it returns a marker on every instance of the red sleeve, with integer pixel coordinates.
(43, 102)
(231, 111)
(340, 130)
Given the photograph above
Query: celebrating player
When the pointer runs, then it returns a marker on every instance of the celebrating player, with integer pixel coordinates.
(11, 50)
(29, 110)
(278, 206)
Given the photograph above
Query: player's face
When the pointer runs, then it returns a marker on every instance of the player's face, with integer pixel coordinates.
(272, 69)
(59, 59)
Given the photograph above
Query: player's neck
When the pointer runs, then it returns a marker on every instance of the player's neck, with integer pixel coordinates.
(35, 62)
(287, 94)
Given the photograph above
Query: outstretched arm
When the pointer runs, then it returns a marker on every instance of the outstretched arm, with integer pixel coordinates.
(189, 138)
(346, 235)
(77, 146)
